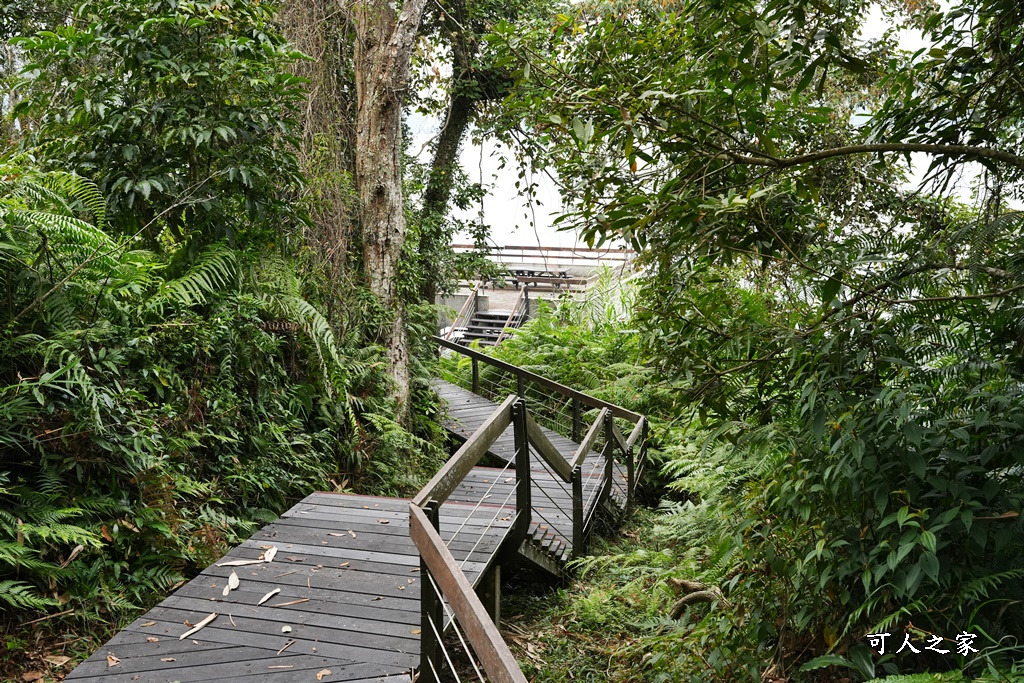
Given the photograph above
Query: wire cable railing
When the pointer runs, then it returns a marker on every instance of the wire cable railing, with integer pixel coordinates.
(568, 505)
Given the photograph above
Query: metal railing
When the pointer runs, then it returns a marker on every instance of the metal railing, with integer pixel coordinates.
(562, 409)
(520, 310)
(468, 310)
(446, 592)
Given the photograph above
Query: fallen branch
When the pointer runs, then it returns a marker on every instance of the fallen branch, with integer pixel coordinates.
(694, 592)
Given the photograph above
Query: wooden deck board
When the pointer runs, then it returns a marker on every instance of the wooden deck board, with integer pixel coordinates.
(359, 615)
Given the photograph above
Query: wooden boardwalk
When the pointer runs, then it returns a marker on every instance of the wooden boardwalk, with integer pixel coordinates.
(552, 498)
(349, 582)
(344, 577)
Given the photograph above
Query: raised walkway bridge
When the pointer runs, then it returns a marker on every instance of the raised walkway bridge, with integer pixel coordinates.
(359, 588)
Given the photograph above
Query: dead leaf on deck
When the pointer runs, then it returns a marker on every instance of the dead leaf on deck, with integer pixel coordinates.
(149, 623)
(198, 626)
(293, 602)
(151, 639)
(167, 659)
(239, 563)
(269, 555)
(112, 660)
(383, 521)
(268, 596)
(416, 631)
(321, 673)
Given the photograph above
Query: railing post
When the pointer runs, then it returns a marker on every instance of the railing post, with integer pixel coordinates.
(577, 421)
(524, 505)
(630, 472)
(476, 376)
(609, 454)
(578, 542)
(431, 611)
(520, 392)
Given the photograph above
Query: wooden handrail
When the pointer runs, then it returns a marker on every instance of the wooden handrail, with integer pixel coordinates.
(466, 458)
(585, 399)
(619, 439)
(588, 441)
(494, 655)
(637, 431)
(547, 450)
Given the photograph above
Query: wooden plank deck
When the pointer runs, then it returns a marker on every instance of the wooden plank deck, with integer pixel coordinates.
(351, 574)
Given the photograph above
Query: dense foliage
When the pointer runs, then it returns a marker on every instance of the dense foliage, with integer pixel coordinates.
(168, 381)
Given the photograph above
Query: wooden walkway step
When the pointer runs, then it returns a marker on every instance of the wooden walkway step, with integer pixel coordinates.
(348, 602)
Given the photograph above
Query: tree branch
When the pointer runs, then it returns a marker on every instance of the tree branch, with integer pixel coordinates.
(969, 151)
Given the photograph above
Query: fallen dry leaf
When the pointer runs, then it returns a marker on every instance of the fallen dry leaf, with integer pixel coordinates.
(295, 558)
(149, 623)
(167, 659)
(343, 564)
(57, 660)
(36, 675)
(321, 673)
(352, 532)
(112, 660)
(383, 521)
(198, 626)
(268, 596)
(286, 629)
(293, 602)
(416, 631)
(331, 533)
(233, 581)
(269, 555)
(282, 666)
(239, 563)
(151, 639)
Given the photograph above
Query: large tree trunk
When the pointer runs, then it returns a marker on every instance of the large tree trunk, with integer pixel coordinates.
(326, 155)
(384, 45)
